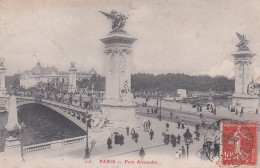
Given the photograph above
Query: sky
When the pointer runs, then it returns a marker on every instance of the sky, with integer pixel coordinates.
(177, 36)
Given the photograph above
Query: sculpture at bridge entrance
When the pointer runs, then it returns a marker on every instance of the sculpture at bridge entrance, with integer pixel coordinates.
(118, 20)
(244, 95)
(118, 103)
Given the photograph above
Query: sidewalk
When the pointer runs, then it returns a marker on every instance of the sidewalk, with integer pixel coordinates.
(130, 148)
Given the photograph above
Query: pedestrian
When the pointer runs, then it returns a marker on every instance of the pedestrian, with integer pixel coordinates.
(216, 149)
(201, 115)
(180, 153)
(178, 139)
(171, 115)
(179, 124)
(173, 140)
(117, 138)
(122, 139)
(147, 111)
(183, 152)
(197, 133)
(167, 126)
(142, 153)
(133, 133)
(236, 111)
(152, 110)
(242, 111)
(182, 124)
(109, 143)
(200, 108)
(256, 111)
(166, 139)
(127, 130)
(177, 156)
(151, 134)
(136, 137)
(149, 124)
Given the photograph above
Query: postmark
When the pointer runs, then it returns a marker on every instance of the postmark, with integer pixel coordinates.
(239, 144)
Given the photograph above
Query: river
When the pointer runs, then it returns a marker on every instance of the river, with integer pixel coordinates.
(41, 125)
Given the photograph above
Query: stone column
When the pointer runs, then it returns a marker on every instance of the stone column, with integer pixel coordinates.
(72, 79)
(118, 66)
(2, 79)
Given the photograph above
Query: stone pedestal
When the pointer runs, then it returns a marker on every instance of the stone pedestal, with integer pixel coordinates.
(12, 147)
(244, 95)
(118, 104)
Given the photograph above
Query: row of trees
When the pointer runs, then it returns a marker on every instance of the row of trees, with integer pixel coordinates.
(172, 82)
(164, 82)
(168, 82)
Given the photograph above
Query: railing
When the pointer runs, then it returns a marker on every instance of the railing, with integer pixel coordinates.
(54, 145)
(71, 141)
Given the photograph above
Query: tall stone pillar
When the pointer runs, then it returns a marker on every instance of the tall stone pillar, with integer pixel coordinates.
(3, 97)
(72, 79)
(118, 103)
(2, 78)
(245, 95)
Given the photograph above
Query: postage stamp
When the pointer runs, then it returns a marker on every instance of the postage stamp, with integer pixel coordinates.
(239, 144)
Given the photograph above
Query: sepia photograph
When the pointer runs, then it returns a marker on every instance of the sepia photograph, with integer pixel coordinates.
(129, 84)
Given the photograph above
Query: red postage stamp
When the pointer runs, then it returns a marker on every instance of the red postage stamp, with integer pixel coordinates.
(239, 144)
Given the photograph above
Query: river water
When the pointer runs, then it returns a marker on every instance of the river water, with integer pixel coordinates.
(41, 125)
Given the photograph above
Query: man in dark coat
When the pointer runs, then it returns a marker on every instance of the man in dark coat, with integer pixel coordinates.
(142, 153)
(109, 143)
(182, 124)
(167, 126)
(178, 139)
(151, 134)
(173, 140)
(136, 137)
(122, 139)
(179, 124)
(127, 130)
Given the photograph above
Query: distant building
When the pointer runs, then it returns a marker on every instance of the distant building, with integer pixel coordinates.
(41, 74)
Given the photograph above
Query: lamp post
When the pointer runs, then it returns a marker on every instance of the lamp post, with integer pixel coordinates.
(160, 114)
(187, 142)
(87, 153)
(22, 130)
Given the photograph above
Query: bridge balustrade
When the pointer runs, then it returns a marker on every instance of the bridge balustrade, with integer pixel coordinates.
(53, 146)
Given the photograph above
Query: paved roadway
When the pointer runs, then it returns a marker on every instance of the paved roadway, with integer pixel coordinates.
(189, 114)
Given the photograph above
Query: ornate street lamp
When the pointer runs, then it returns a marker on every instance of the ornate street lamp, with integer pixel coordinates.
(187, 143)
(87, 120)
(22, 130)
(160, 114)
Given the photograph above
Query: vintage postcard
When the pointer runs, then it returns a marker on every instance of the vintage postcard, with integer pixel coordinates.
(129, 84)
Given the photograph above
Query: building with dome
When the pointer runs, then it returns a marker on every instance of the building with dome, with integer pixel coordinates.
(42, 74)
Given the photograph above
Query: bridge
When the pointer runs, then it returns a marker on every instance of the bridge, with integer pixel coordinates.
(75, 114)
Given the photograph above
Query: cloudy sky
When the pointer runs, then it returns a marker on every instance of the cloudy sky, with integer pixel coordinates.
(178, 36)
